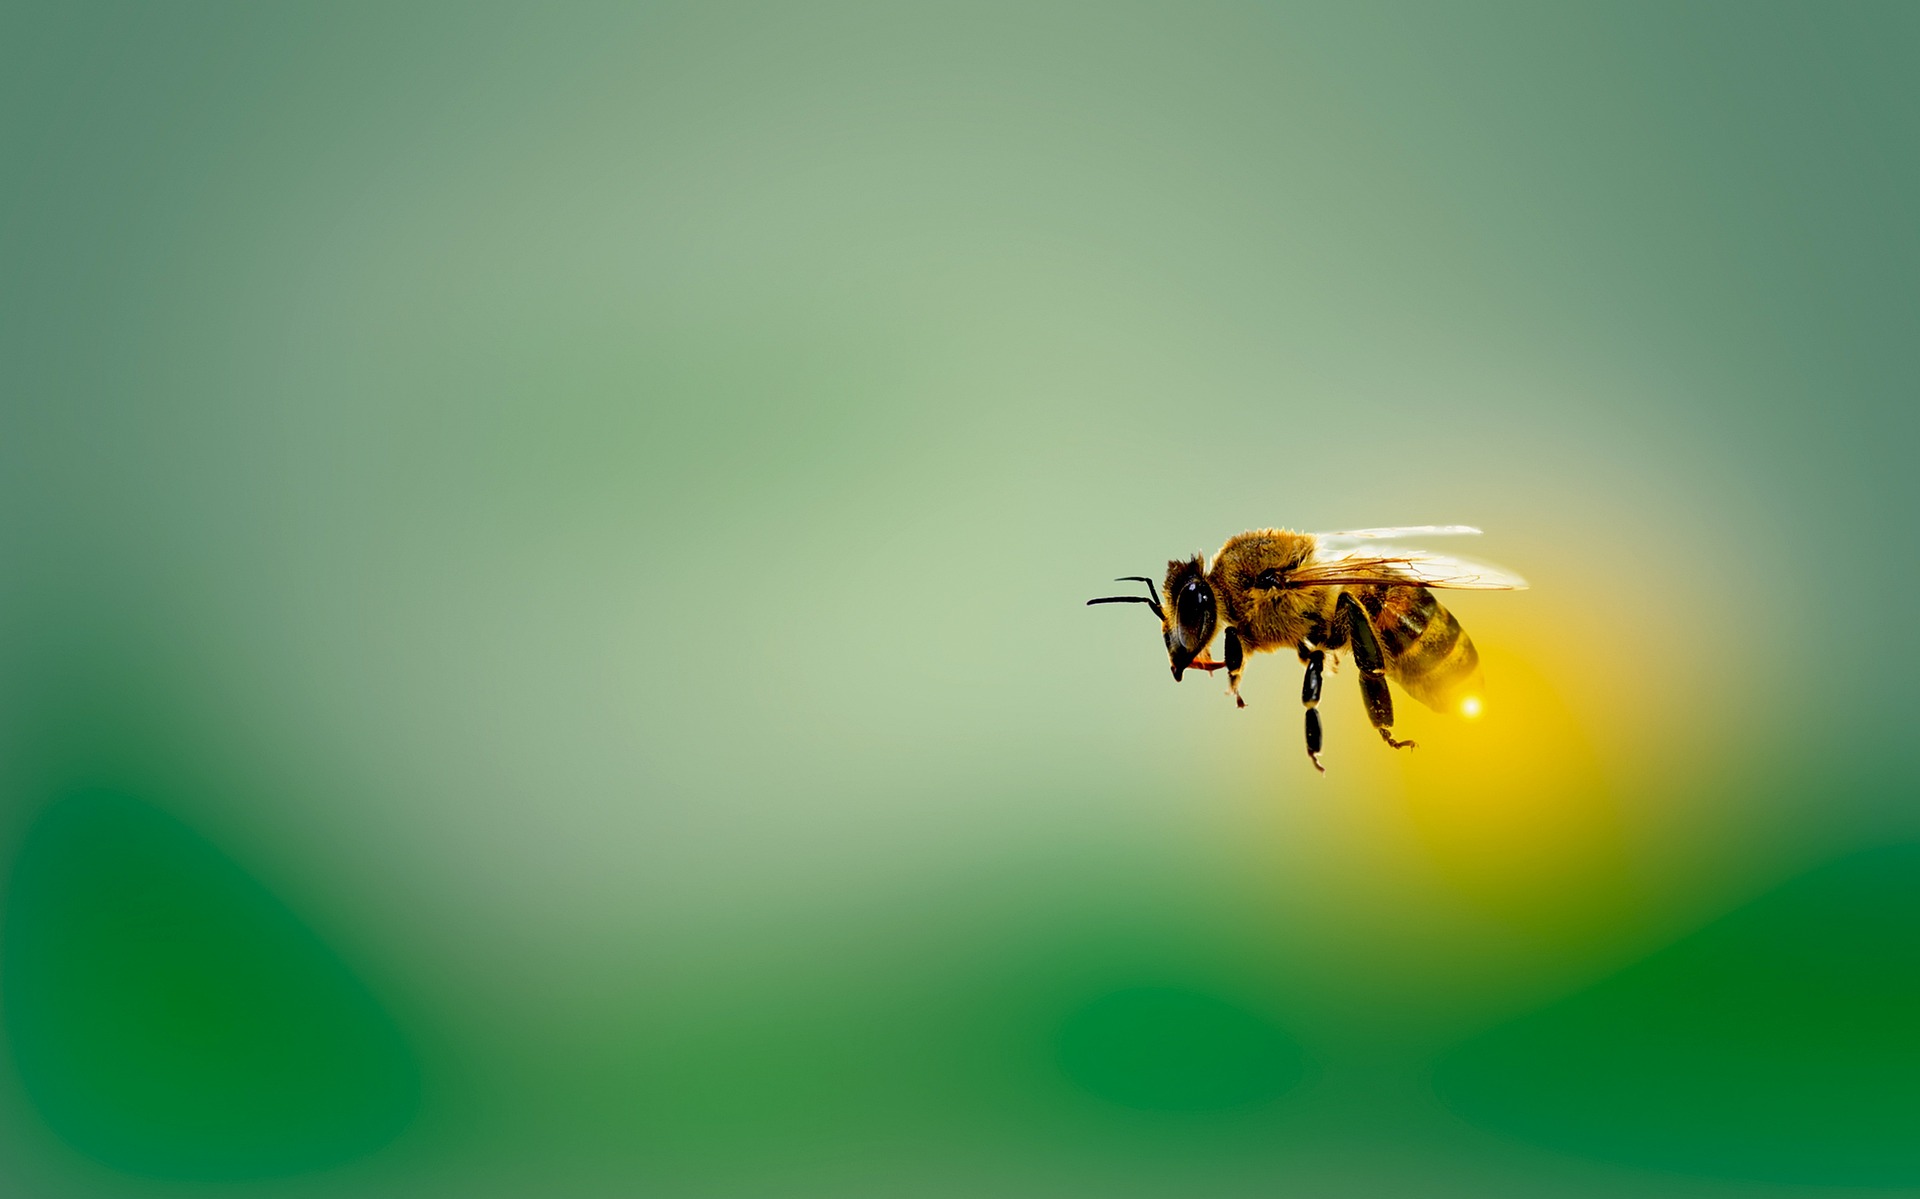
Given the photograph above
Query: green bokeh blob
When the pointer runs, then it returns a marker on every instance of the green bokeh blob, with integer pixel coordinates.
(1781, 1043)
(171, 1018)
(1168, 1049)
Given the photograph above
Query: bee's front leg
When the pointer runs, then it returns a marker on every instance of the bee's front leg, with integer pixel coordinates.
(1235, 658)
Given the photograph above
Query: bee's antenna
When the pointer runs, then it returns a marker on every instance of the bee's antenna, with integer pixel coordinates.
(1151, 590)
(1152, 600)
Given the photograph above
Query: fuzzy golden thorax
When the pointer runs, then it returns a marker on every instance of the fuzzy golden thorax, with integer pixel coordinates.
(1248, 576)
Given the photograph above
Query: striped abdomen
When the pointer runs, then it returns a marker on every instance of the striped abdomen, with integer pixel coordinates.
(1427, 651)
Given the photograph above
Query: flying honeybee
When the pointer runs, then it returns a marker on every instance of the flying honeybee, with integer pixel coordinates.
(1317, 593)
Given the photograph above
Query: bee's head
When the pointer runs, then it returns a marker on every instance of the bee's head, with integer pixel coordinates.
(1188, 627)
(1189, 621)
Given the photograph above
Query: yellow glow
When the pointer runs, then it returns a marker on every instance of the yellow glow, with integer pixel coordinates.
(1512, 806)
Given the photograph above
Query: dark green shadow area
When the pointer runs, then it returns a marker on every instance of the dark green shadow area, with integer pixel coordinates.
(1779, 1044)
(171, 1018)
(1165, 1049)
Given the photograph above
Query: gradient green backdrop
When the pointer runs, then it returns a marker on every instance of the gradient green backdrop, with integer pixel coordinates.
(541, 646)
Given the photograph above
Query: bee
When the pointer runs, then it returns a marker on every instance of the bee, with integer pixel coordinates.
(1318, 593)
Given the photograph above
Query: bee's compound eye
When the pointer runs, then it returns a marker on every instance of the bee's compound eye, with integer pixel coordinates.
(1194, 605)
(1193, 610)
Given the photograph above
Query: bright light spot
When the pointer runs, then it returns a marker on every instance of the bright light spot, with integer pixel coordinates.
(1470, 706)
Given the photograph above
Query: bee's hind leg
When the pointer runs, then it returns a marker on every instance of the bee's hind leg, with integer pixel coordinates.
(1373, 666)
(1310, 696)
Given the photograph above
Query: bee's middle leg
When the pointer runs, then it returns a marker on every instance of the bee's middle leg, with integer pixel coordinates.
(1310, 697)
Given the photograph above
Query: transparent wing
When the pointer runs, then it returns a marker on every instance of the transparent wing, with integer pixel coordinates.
(1383, 564)
(1404, 531)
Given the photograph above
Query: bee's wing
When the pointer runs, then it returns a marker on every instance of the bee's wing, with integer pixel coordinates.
(1381, 564)
(1405, 531)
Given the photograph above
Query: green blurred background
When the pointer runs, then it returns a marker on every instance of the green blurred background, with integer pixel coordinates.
(542, 646)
